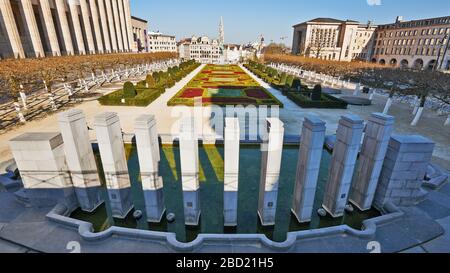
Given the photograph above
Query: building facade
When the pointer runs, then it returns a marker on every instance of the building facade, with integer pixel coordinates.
(159, 42)
(420, 44)
(140, 30)
(332, 39)
(205, 50)
(39, 28)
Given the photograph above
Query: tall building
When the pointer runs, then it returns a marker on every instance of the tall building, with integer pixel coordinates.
(332, 39)
(159, 42)
(415, 44)
(39, 28)
(205, 50)
(140, 30)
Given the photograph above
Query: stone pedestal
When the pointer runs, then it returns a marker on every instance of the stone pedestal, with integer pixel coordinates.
(378, 132)
(149, 158)
(231, 171)
(346, 149)
(403, 172)
(308, 166)
(272, 151)
(190, 171)
(112, 152)
(42, 165)
(80, 159)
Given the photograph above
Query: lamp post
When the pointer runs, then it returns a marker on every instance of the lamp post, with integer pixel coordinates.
(438, 64)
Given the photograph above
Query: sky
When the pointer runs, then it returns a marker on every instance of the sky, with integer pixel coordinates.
(246, 20)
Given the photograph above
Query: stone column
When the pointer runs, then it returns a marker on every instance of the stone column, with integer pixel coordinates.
(104, 21)
(272, 151)
(33, 28)
(112, 30)
(123, 25)
(87, 26)
(346, 149)
(50, 27)
(403, 171)
(231, 171)
(129, 25)
(149, 158)
(80, 159)
(77, 27)
(115, 11)
(68, 43)
(42, 166)
(97, 31)
(112, 152)
(378, 132)
(11, 29)
(308, 166)
(190, 171)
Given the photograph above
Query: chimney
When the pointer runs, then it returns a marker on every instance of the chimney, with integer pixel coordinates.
(399, 19)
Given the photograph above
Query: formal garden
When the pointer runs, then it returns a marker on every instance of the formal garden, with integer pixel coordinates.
(223, 85)
(146, 91)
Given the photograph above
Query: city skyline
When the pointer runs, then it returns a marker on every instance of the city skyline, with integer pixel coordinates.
(242, 19)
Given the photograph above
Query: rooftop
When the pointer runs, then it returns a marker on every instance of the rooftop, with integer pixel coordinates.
(325, 20)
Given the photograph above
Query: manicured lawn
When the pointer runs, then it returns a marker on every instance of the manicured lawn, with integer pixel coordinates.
(223, 85)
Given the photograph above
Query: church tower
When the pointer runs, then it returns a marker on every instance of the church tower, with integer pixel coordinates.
(221, 33)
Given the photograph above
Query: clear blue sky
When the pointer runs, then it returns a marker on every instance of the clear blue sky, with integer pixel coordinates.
(245, 20)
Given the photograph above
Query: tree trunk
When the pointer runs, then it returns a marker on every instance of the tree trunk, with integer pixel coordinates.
(447, 122)
(419, 113)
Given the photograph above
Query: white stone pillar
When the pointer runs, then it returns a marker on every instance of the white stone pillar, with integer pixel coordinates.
(80, 159)
(87, 26)
(190, 171)
(33, 28)
(11, 29)
(149, 158)
(42, 166)
(129, 25)
(115, 11)
(346, 149)
(97, 30)
(123, 25)
(112, 152)
(231, 171)
(112, 30)
(272, 151)
(308, 167)
(64, 23)
(50, 27)
(77, 28)
(104, 23)
(373, 152)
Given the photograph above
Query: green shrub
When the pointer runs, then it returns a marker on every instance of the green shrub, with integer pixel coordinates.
(296, 85)
(149, 80)
(317, 93)
(326, 101)
(129, 91)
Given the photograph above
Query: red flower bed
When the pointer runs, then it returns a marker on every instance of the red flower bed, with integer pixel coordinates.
(239, 73)
(190, 93)
(228, 100)
(257, 93)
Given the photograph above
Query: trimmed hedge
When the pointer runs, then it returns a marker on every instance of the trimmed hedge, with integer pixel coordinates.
(327, 101)
(128, 90)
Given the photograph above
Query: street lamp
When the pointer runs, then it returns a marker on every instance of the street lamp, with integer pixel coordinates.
(439, 62)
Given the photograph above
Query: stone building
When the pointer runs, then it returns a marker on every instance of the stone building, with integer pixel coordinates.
(39, 28)
(203, 50)
(414, 44)
(159, 42)
(140, 29)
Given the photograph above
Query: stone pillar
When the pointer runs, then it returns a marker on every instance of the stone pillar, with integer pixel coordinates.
(346, 149)
(33, 28)
(115, 11)
(272, 151)
(11, 29)
(50, 27)
(80, 159)
(190, 171)
(104, 23)
(231, 171)
(378, 132)
(129, 25)
(404, 170)
(68, 43)
(77, 27)
(112, 30)
(149, 158)
(112, 152)
(87, 26)
(308, 167)
(42, 165)
(97, 31)
(123, 25)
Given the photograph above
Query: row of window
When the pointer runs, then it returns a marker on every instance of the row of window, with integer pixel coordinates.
(424, 51)
(161, 43)
(407, 42)
(419, 23)
(423, 32)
